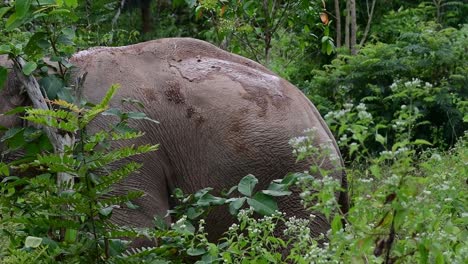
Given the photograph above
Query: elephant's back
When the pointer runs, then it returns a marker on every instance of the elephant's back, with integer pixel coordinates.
(221, 116)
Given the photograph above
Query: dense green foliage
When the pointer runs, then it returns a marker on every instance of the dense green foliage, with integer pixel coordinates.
(425, 69)
(398, 109)
(67, 223)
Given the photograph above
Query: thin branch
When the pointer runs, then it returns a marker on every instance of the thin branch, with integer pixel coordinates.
(369, 21)
(117, 15)
(52, 42)
(282, 16)
(248, 44)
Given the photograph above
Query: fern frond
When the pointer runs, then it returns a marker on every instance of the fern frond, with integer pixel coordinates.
(120, 199)
(47, 221)
(67, 105)
(99, 160)
(118, 231)
(55, 163)
(99, 108)
(116, 176)
(127, 135)
(60, 119)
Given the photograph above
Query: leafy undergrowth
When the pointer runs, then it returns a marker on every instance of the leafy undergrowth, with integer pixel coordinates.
(404, 210)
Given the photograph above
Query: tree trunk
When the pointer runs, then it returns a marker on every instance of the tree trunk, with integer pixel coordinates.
(146, 16)
(352, 7)
(58, 140)
(338, 23)
(347, 24)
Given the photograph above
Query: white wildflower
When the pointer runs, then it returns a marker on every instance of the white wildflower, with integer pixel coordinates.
(361, 107)
(348, 106)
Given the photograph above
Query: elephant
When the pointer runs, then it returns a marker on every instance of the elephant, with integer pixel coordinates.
(221, 116)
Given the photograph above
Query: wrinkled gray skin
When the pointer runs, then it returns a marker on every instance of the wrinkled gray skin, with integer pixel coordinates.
(221, 117)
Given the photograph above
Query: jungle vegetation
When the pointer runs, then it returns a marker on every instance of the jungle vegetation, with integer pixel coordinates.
(390, 78)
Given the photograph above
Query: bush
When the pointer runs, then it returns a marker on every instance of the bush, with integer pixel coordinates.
(427, 70)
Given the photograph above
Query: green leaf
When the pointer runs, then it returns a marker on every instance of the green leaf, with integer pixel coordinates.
(71, 235)
(133, 102)
(65, 94)
(4, 170)
(184, 227)
(379, 138)
(263, 204)
(424, 253)
(336, 224)
(64, 39)
(439, 259)
(291, 179)
(117, 246)
(36, 44)
(113, 112)
(160, 223)
(5, 49)
(11, 133)
(4, 10)
(131, 205)
(196, 251)
(247, 184)
(71, 3)
(329, 48)
(22, 7)
(140, 115)
(276, 192)
(13, 22)
(107, 210)
(233, 188)
(375, 170)
(208, 199)
(32, 242)
(29, 67)
(236, 204)
(17, 110)
(52, 85)
(59, 11)
(194, 213)
(422, 142)
(3, 76)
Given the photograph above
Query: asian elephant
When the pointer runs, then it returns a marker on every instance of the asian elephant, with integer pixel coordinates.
(221, 117)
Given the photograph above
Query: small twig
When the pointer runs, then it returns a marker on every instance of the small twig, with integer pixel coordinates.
(52, 43)
(247, 42)
(369, 21)
(117, 15)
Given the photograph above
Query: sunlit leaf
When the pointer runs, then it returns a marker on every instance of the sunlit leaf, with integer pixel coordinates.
(247, 184)
(263, 204)
(29, 67)
(32, 242)
(22, 7)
